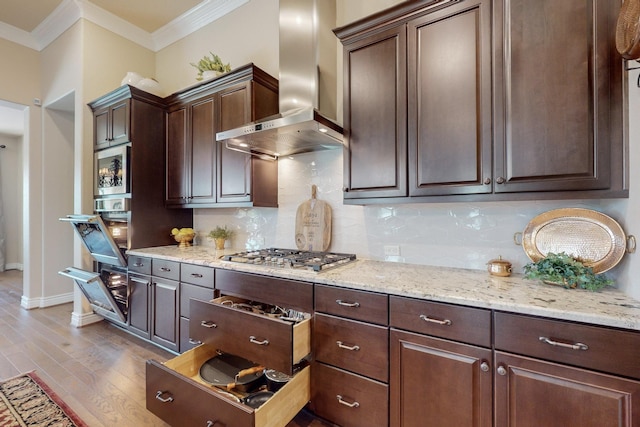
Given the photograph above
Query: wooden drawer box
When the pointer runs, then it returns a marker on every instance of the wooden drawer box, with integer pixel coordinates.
(176, 394)
(197, 275)
(165, 269)
(360, 305)
(586, 346)
(275, 343)
(458, 323)
(271, 290)
(347, 399)
(358, 347)
(139, 264)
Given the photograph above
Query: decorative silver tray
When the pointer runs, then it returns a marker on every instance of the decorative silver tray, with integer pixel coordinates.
(592, 237)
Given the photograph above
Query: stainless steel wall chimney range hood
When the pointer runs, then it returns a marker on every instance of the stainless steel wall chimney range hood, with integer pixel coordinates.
(307, 86)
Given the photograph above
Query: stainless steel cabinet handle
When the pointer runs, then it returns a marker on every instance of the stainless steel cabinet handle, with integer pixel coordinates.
(484, 367)
(444, 322)
(253, 340)
(165, 269)
(353, 404)
(138, 265)
(208, 324)
(502, 370)
(194, 342)
(347, 304)
(196, 275)
(347, 347)
(163, 399)
(576, 346)
(214, 423)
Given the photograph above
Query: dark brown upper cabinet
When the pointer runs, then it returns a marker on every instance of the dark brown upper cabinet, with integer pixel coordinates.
(449, 95)
(111, 124)
(375, 109)
(558, 123)
(465, 100)
(204, 173)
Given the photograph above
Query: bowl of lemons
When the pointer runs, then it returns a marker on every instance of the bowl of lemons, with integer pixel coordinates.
(184, 236)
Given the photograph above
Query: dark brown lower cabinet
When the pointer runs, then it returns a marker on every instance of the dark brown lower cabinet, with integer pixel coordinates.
(164, 317)
(439, 383)
(176, 393)
(534, 393)
(348, 399)
(139, 291)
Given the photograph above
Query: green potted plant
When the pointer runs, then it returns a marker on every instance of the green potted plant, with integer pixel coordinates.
(220, 235)
(210, 66)
(561, 269)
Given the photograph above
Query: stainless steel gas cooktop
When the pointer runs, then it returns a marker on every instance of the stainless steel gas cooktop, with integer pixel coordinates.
(291, 258)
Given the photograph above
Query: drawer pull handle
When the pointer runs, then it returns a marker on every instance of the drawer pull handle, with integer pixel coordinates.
(215, 423)
(353, 404)
(347, 304)
(194, 342)
(199, 276)
(576, 346)
(502, 370)
(208, 324)
(253, 340)
(138, 264)
(445, 322)
(165, 269)
(163, 399)
(347, 347)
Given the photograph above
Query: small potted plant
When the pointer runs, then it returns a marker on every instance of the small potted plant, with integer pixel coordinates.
(220, 235)
(210, 66)
(561, 269)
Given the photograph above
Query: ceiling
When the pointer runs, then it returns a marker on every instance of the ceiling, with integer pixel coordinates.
(153, 24)
(148, 15)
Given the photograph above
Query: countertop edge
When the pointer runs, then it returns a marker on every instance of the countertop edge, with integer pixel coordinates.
(471, 288)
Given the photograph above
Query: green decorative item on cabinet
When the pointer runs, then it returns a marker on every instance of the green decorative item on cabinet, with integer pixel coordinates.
(561, 269)
(220, 235)
(211, 63)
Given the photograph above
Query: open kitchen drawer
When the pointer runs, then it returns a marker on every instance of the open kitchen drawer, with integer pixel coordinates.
(277, 344)
(176, 393)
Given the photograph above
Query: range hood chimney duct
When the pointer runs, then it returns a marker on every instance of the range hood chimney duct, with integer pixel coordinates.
(307, 87)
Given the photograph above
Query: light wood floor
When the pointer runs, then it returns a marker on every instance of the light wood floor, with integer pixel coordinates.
(98, 370)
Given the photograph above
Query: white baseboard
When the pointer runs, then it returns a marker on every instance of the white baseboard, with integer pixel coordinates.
(42, 302)
(79, 320)
(13, 266)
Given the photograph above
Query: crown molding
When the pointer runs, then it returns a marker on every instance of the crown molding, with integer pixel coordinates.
(70, 11)
(192, 20)
(18, 36)
(59, 21)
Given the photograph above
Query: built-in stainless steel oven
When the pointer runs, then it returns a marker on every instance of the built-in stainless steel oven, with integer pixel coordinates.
(106, 237)
(106, 290)
(111, 169)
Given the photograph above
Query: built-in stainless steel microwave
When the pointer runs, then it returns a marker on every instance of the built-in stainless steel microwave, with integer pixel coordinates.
(111, 169)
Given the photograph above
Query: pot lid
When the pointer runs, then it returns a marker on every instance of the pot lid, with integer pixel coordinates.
(499, 261)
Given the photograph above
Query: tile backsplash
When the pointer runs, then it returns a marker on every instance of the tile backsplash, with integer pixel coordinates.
(462, 235)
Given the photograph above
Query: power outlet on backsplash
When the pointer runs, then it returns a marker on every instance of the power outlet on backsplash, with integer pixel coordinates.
(391, 250)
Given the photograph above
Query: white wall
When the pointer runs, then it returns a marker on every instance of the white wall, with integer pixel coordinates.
(11, 193)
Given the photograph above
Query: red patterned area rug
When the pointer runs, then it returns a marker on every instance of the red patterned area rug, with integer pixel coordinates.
(26, 401)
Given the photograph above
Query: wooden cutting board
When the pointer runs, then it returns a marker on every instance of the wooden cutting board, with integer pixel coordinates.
(313, 224)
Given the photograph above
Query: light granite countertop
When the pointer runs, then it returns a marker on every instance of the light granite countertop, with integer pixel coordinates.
(458, 286)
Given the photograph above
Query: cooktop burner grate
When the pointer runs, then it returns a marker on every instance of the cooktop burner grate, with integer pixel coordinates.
(291, 258)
